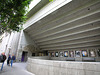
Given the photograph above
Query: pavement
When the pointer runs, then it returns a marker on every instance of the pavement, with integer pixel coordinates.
(16, 69)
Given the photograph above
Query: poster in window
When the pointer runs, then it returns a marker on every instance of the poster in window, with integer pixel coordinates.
(52, 54)
(66, 53)
(49, 54)
(78, 53)
(56, 54)
(84, 53)
(71, 53)
(60, 54)
(92, 53)
(98, 52)
(40, 54)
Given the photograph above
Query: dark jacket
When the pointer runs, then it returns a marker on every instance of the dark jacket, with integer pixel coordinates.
(2, 58)
(13, 58)
(9, 58)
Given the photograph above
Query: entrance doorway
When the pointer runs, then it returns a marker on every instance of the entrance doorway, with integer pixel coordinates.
(24, 56)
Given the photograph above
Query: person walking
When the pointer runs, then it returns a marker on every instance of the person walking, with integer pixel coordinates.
(3, 56)
(9, 58)
(12, 59)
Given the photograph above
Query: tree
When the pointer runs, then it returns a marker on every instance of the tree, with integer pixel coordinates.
(50, 0)
(12, 14)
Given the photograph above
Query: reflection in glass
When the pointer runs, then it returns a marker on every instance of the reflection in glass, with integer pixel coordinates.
(78, 53)
(92, 53)
(56, 54)
(66, 53)
(61, 54)
(98, 52)
(84, 53)
(71, 53)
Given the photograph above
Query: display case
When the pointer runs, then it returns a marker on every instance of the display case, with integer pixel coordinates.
(52, 54)
(71, 53)
(56, 54)
(98, 51)
(61, 54)
(77, 53)
(92, 53)
(84, 53)
(49, 53)
(66, 54)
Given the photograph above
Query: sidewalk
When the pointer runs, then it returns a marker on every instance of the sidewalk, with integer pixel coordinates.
(17, 69)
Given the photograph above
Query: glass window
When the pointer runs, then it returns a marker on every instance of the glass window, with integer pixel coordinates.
(84, 53)
(52, 54)
(92, 53)
(61, 54)
(71, 53)
(78, 53)
(98, 52)
(49, 53)
(56, 54)
(66, 53)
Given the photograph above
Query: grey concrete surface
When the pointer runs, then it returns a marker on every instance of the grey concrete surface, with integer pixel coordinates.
(17, 69)
(53, 67)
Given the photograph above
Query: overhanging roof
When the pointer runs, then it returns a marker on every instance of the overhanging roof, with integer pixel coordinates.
(35, 9)
(74, 26)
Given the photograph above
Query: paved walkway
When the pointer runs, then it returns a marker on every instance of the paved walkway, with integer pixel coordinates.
(17, 69)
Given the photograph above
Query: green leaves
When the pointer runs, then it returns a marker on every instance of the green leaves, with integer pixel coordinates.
(12, 14)
(50, 0)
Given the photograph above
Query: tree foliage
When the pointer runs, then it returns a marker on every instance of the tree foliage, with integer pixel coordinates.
(50, 0)
(12, 14)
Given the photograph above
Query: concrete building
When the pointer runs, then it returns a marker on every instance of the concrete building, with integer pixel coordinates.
(9, 43)
(65, 27)
(65, 30)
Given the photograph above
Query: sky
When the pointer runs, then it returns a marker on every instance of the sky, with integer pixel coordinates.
(33, 3)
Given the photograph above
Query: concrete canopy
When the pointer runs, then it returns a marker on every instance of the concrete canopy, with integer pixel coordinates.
(40, 5)
(76, 25)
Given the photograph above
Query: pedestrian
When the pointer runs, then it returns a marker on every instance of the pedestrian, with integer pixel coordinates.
(8, 60)
(12, 59)
(3, 58)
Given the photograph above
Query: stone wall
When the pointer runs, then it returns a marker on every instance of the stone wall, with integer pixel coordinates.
(26, 44)
(51, 67)
(41, 57)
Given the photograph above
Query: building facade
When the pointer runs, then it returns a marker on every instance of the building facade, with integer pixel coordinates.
(62, 29)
